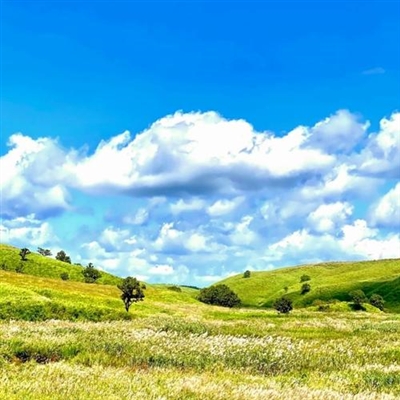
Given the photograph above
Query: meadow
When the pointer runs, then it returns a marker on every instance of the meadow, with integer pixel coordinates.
(69, 339)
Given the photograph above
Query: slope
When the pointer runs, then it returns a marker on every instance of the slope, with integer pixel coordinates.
(333, 280)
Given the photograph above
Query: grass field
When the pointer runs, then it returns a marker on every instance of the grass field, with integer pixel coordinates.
(69, 339)
(328, 281)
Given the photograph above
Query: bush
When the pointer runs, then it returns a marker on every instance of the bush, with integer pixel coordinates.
(174, 288)
(91, 274)
(246, 274)
(305, 278)
(358, 297)
(64, 276)
(305, 288)
(220, 295)
(377, 301)
(62, 256)
(283, 305)
(19, 268)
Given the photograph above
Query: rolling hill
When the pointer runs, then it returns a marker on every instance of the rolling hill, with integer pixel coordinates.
(333, 280)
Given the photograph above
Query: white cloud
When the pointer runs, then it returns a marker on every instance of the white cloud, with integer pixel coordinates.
(224, 206)
(328, 217)
(386, 212)
(163, 270)
(374, 71)
(194, 204)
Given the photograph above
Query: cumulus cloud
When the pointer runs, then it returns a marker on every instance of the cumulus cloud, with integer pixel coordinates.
(203, 192)
(386, 212)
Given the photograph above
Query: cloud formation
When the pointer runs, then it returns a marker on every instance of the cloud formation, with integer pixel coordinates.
(197, 196)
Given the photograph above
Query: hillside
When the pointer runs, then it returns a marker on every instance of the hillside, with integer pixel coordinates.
(332, 280)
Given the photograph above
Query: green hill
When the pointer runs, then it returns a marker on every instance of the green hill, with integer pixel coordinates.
(38, 293)
(39, 265)
(333, 280)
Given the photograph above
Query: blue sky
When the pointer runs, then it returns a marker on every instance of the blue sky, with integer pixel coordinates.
(261, 134)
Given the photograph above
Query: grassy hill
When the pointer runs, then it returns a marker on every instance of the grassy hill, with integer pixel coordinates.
(332, 280)
(40, 294)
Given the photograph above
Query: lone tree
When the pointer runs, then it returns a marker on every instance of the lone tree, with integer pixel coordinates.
(305, 288)
(23, 253)
(44, 252)
(220, 295)
(91, 274)
(132, 291)
(377, 301)
(283, 305)
(62, 256)
(246, 274)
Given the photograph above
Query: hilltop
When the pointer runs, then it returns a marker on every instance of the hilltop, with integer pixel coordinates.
(332, 280)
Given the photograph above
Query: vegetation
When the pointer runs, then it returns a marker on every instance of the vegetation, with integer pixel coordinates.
(44, 252)
(23, 253)
(377, 301)
(305, 288)
(246, 274)
(329, 281)
(358, 297)
(62, 256)
(131, 291)
(219, 295)
(305, 278)
(91, 274)
(283, 305)
(64, 276)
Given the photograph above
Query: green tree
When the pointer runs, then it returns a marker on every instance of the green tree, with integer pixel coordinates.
(305, 288)
(246, 274)
(62, 256)
(283, 305)
(91, 274)
(220, 295)
(305, 278)
(358, 297)
(44, 252)
(132, 291)
(377, 301)
(23, 253)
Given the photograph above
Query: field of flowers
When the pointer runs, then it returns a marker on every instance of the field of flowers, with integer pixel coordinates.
(220, 354)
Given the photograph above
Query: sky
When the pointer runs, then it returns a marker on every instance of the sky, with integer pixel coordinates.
(184, 142)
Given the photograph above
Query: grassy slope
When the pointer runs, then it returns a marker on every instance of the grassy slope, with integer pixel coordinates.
(328, 281)
(40, 294)
(45, 266)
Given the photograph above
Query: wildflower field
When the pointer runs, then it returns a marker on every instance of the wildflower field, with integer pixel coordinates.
(211, 353)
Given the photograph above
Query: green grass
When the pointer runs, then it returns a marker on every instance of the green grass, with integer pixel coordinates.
(45, 266)
(328, 281)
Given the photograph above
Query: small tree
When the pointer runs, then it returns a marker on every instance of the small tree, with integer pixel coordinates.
(305, 278)
(358, 297)
(246, 274)
(283, 305)
(23, 253)
(131, 291)
(91, 274)
(220, 295)
(44, 252)
(377, 301)
(305, 288)
(62, 256)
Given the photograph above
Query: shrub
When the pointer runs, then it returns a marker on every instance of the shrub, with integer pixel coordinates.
(220, 295)
(305, 278)
(174, 288)
(19, 268)
(377, 301)
(358, 297)
(91, 274)
(305, 288)
(62, 256)
(64, 276)
(283, 305)
(246, 274)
